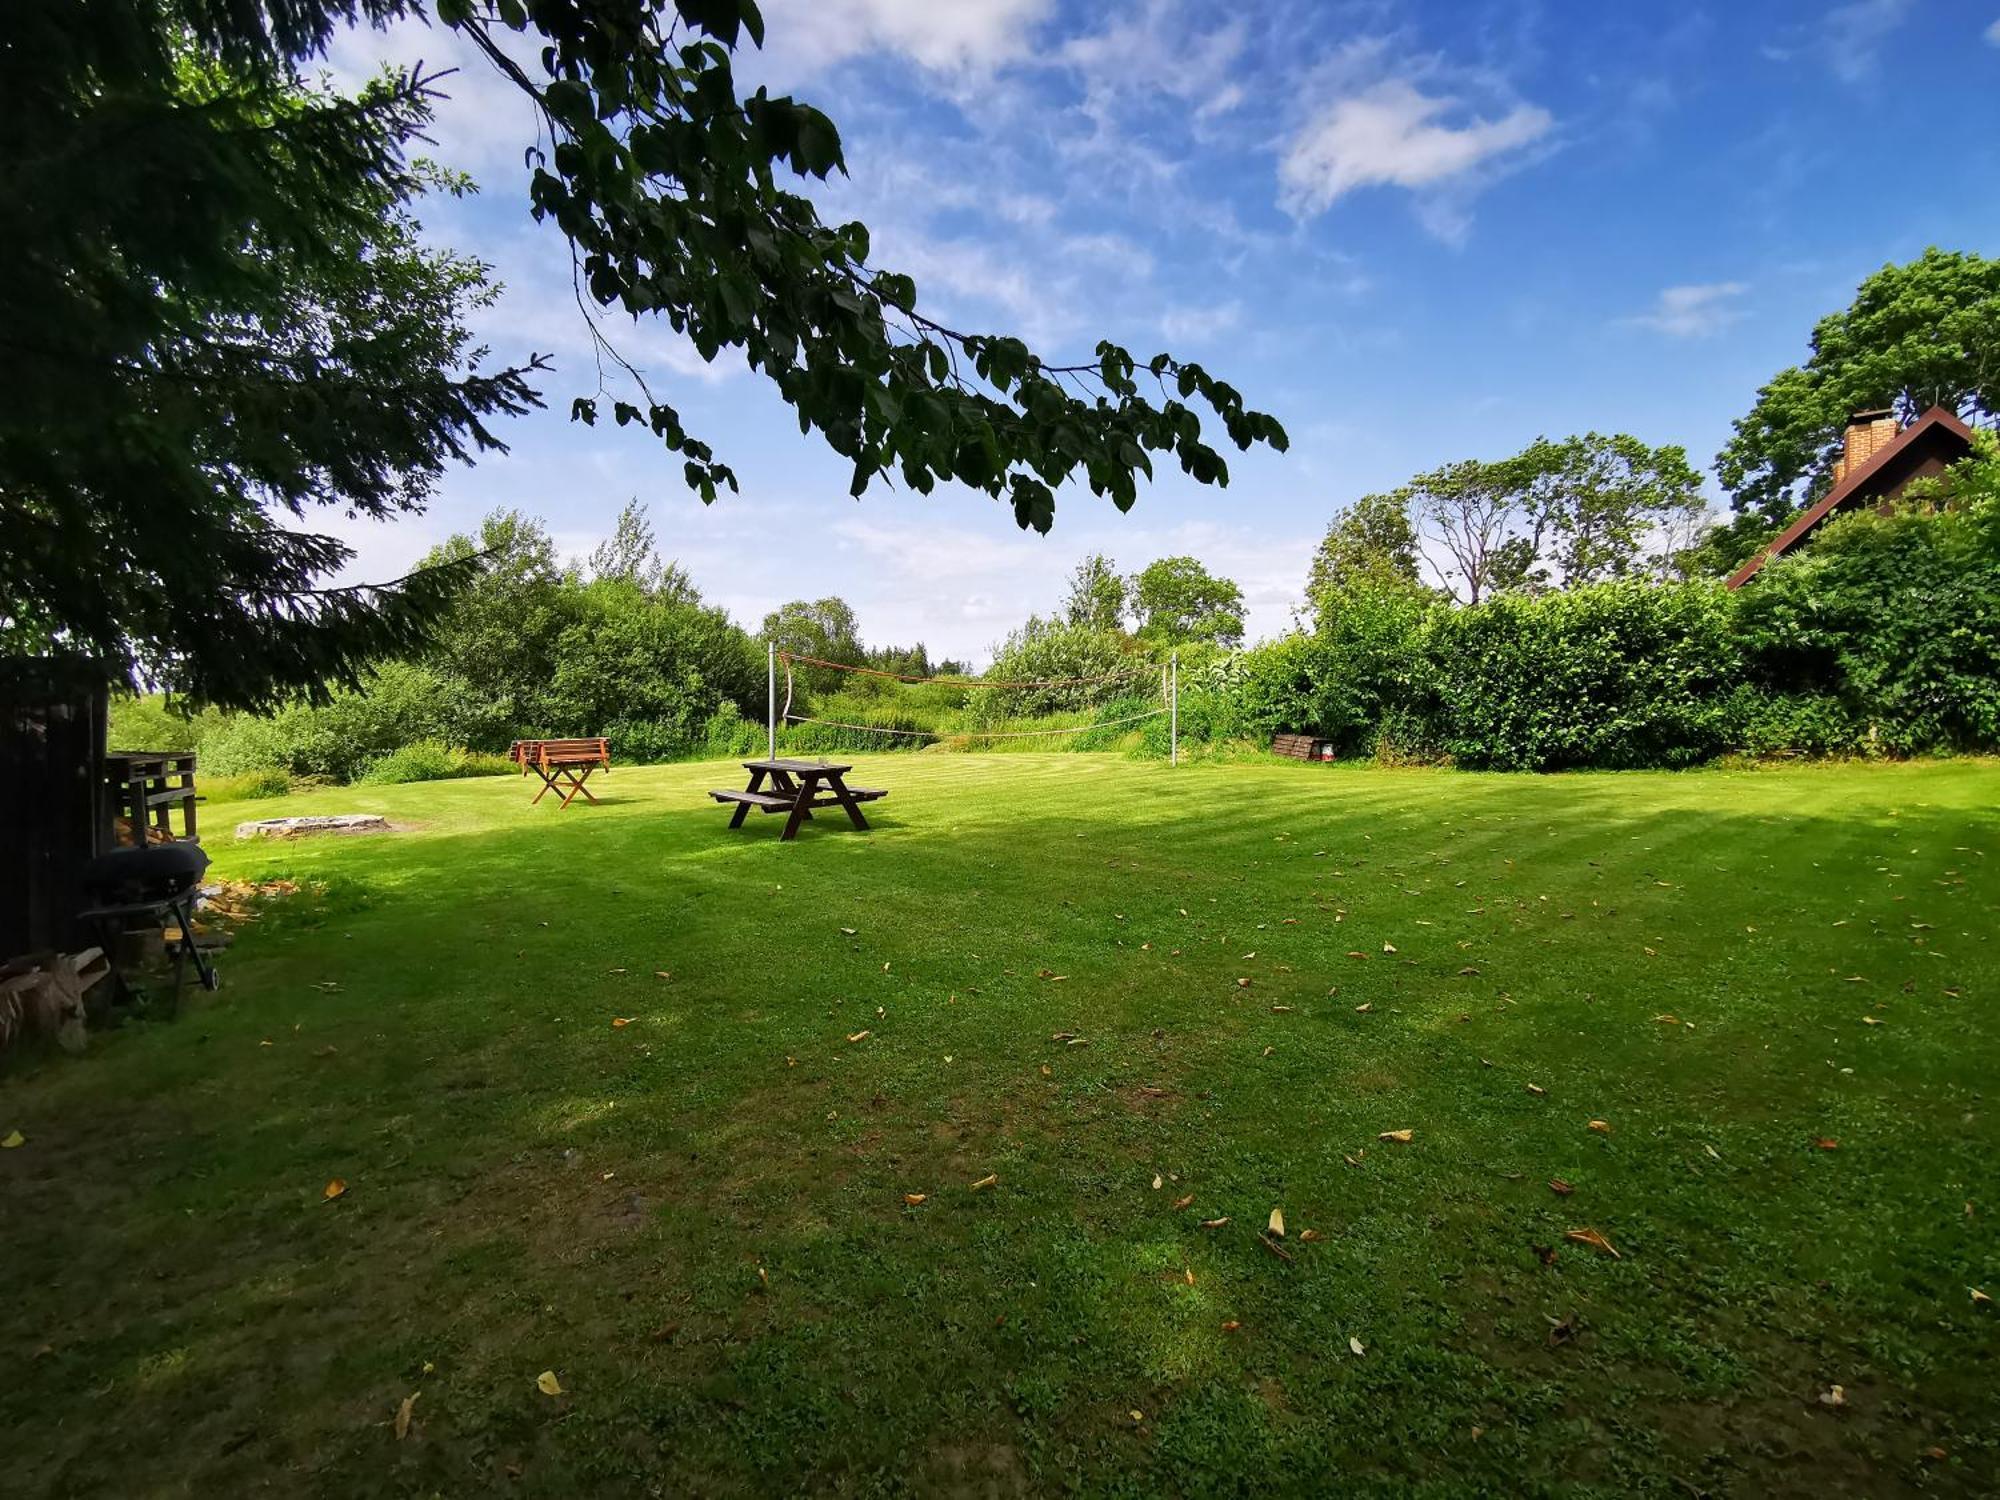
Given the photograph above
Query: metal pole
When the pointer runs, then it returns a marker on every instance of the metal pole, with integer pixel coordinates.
(771, 699)
(1174, 710)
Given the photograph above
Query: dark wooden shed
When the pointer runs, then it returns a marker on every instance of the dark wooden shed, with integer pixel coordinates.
(54, 814)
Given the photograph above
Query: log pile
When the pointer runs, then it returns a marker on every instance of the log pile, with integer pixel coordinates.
(43, 996)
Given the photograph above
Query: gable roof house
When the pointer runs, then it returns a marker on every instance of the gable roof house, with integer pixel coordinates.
(1877, 464)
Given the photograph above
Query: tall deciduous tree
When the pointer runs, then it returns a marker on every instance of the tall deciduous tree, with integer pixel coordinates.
(132, 206)
(1558, 513)
(1916, 336)
(1097, 595)
(1179, 601)
(1370, 543)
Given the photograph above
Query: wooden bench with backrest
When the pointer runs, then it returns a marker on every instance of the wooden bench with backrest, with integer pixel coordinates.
(568, 761)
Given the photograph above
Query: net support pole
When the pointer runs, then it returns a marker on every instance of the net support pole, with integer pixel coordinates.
(1174, 708)
(771, 699)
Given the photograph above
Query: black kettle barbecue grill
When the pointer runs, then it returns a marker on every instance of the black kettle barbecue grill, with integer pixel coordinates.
(151, 881)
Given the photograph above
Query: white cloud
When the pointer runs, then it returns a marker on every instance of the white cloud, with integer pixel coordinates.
(1392, 134)
(1156, 52)
(1993, 34)
(1851, 35)
(943, 35)
(1693, 312)
(1198, 324)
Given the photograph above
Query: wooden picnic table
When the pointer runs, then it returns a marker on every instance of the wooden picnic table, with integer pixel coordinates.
(796, 788)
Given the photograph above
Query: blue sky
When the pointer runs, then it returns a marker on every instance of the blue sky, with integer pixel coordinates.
(1415, 232)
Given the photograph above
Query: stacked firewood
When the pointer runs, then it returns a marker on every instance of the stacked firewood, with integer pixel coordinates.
(43, 996)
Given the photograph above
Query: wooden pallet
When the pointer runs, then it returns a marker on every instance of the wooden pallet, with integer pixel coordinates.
(1298, 746)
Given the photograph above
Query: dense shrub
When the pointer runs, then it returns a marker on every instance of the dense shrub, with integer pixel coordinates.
(1043, 652)
(1889, 626)
(433, 760)
(1617, 675)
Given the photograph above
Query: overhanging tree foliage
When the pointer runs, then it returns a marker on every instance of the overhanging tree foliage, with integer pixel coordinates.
(216, 316)
(147, 220)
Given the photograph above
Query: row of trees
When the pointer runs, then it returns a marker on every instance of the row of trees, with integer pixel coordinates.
(1583, 510)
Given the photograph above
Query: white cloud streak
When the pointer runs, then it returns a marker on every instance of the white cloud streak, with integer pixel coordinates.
(1393, 134)
(1694, 312)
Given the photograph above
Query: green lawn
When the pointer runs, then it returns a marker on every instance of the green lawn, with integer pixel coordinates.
(698, 1220)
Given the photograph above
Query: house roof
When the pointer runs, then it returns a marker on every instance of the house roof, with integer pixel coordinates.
(1936, 434)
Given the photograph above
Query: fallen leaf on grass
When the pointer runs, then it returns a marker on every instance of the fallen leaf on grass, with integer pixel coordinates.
(662, 974)
(1231, 1326)
(1561, 1330)
(547, 1383)
(1188, 1272)
(1353, 954)
(1310, 1236)
(859, 1036)
(1536, 1089)
(1181, 1203)
(1834, 1396)
(1668, 1019)
(1158, 1182)
(1215, 1223)
(12, 1139)
(1243, 984)
(1277, 1222)
(1979, 1298)
(1401, 1137)
(1602, 1127)
(403, 1415)
(1467, 972)
(1274, 1247)
(617, 1021)
(1561, 1188)
(1362, 1010)
(1595, 1240)
(848, 932)
(1355, 1347)
(1871, 1020)
(1546, 1254)
(913, 1199)
(985, 1182)
(1826, 1143)
(1136, 1415)
(334, 1189)
(1388, 947)
(614, 971)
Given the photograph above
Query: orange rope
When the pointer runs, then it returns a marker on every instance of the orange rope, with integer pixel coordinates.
(970, 682)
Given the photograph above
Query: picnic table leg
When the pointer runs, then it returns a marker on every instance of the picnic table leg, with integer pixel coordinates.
(784, 786)
(800, 808)
(743, 808)
(548, 783)
(838, 786)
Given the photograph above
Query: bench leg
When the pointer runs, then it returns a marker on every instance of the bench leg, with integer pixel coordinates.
(576, 783)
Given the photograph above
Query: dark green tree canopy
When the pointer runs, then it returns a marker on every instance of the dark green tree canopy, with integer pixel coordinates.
(1370, 543)
(217, 317)
(1916, 336)
(176, 250)
(1178, 601)
(1097, 595)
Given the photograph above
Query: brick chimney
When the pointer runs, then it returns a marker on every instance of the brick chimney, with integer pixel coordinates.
(1868, 433)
